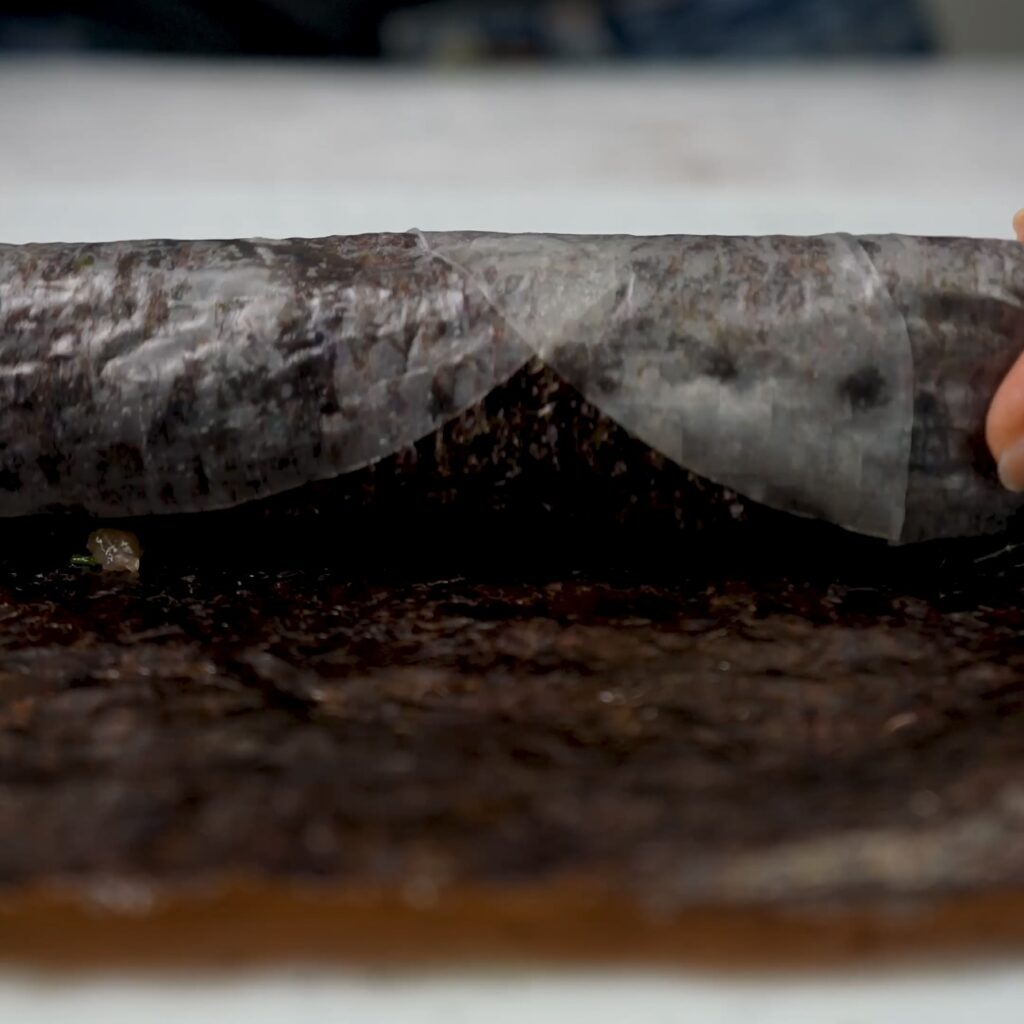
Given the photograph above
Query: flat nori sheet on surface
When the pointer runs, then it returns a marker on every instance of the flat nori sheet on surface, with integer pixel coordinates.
(490, 683)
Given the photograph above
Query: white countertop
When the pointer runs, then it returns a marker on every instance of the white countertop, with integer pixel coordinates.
(991, 996)
(108, 150)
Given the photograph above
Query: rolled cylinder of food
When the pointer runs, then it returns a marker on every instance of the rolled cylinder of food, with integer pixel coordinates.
(838, 377)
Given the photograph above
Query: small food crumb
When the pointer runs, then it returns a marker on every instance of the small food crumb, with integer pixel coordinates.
(115, 550)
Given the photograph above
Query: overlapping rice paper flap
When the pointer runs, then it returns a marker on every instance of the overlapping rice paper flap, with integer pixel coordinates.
(780, 368)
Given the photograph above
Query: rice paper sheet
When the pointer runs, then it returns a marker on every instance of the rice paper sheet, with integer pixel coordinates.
(838, 377)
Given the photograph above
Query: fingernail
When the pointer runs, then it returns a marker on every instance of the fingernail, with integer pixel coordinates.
(1011, 467)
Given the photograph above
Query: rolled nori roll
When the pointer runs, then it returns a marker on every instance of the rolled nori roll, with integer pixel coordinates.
(839, 377)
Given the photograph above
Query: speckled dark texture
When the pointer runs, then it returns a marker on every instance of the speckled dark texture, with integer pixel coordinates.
(835, 722)
(838, 377)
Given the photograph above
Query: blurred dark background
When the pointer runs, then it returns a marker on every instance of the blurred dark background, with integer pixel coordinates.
(450, 31)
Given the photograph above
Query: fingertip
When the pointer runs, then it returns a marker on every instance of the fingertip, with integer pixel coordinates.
(1018, 225)
(1004, 425)
(1011, 467)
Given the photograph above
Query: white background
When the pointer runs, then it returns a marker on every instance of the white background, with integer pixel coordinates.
(150, 149)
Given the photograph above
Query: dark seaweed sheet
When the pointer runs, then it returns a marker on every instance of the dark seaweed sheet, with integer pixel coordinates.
(515, 726)
(512, 677)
